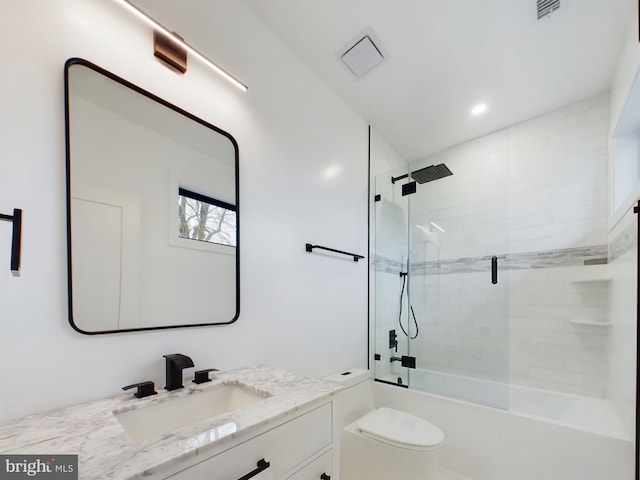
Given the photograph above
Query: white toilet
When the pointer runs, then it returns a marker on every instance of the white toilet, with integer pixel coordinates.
(383, 443)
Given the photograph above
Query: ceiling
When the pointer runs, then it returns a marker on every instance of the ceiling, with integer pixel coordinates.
(442, 57)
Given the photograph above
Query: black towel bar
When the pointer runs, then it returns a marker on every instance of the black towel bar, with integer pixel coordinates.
(310, 248)
(16, 238)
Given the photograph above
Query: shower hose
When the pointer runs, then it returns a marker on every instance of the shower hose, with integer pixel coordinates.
(404, 275)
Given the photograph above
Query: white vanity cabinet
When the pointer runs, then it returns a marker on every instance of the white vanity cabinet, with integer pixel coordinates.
(298, 449)
(320, 468)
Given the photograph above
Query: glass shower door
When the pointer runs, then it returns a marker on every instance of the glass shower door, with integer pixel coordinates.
(458, 281)
(446, 295)
(391, 247)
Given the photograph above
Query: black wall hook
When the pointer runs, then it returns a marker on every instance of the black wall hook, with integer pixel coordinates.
(16, 238)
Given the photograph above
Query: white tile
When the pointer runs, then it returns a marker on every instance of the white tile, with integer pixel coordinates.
(446, 474)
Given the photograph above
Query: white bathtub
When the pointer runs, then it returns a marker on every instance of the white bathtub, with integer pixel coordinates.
(487, 443)
(585, 413)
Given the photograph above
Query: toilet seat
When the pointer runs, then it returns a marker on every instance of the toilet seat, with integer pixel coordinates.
(400, 429)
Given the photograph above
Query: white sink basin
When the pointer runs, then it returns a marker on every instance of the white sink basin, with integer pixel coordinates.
(165, 417)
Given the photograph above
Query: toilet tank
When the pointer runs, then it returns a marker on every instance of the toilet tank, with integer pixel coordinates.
(356, 398)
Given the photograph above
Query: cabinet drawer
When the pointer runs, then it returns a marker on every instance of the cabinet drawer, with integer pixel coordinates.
(284, 447)
(316, 469)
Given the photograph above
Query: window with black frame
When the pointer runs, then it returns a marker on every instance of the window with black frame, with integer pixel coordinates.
(206, 219)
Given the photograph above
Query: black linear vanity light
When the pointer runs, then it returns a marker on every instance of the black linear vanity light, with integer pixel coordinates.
(178, 40)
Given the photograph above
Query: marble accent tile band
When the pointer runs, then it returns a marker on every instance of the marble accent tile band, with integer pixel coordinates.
(565, 257)
(625, 241)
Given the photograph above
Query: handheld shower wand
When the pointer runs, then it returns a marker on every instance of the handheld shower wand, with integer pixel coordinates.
(404, 276)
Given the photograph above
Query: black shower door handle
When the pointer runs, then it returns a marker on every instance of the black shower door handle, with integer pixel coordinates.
(494, 270)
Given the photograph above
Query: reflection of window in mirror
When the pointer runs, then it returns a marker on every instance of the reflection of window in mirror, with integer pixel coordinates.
(206, 219)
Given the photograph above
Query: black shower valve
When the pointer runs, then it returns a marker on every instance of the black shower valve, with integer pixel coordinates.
(393, 339)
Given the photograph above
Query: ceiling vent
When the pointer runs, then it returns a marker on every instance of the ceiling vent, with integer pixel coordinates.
(546, 7)
(362, 57)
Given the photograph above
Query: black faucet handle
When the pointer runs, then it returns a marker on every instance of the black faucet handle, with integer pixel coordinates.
(202, 376)
(145, 389)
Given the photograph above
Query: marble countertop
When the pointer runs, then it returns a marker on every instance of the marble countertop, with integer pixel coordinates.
(105, 449)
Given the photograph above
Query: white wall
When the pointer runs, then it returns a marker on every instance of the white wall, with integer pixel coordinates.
(303, 178)
(622, 313)
(383, 156)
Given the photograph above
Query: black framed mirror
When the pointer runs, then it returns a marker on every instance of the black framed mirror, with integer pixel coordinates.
(152, 209)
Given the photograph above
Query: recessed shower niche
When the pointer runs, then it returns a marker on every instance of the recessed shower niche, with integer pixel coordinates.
(152, 209)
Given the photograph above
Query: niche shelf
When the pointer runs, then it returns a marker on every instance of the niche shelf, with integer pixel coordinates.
(594, 274)
(592, 280)
(590, 323)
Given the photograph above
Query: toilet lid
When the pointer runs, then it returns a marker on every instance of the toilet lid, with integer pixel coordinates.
(400, 429)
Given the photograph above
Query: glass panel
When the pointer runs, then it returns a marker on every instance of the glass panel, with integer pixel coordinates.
(390, 260)
(458, 316)
(433, 274)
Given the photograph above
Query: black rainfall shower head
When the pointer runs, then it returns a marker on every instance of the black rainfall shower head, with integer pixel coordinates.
(433, 172)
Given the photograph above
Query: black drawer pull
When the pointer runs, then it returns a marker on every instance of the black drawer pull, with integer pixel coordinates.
(261, 465)
(324, 476)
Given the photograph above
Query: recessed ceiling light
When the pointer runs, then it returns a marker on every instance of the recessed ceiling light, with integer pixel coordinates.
(479, 109)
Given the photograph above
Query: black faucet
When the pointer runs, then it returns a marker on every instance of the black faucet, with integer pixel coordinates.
(176, 362)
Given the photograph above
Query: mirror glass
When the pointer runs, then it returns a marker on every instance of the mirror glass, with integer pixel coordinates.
(152, 209)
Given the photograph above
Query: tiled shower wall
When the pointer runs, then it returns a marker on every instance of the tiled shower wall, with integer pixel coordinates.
(622, 312)
(535, 196)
